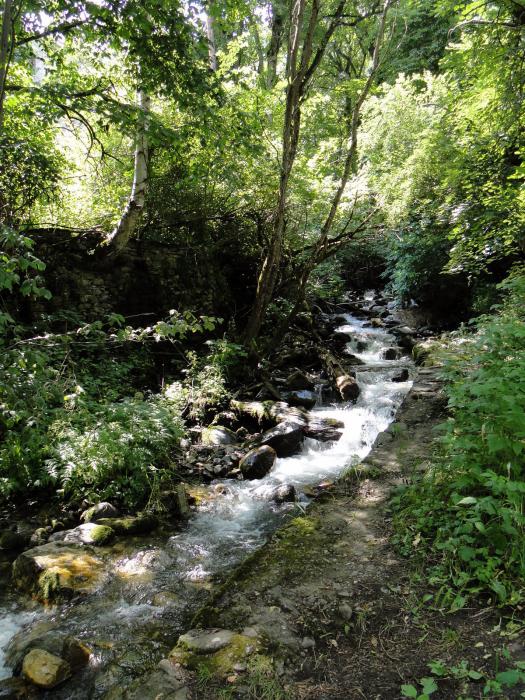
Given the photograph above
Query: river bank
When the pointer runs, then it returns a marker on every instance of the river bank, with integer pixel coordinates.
(338, 612)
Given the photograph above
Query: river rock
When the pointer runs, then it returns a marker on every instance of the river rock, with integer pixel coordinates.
(377, 323)
(88, 533)
(339, 340)
(297, 381)
(353, 359)
(158, 685)
(58, 570)
(258, 462)
(218, 435)
(44, 635)
(285, 493)
(131, 524)
(40, 536)
(303, 397)
(403, 376)
(286, 438)
(99, 510)
(44, 669)
(390, 354)
(205, 641)
(217, 651)
(324, 429)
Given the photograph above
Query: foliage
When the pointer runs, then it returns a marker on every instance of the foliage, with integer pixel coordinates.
(112, 450)
(475, 537)
(207, 377)
(19, 271)
(76, 411)
(495, 685)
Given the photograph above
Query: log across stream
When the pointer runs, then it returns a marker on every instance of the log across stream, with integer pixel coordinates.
(156, 583)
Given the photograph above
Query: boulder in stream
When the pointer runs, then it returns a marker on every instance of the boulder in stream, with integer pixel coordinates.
(218, 435)
(297, 381)
(403, 376)
(390, 354)
(286, 438)
(324, 429)
(57, 571)
(44, 669)
(88, 533)
(99, 510)
(285, 493)
(301, 397)
(131, 524)
(258, 462)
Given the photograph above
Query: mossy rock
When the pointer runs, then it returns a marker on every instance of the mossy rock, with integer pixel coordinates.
(58, 571)
(131, 525)
(216, 435)
(222, 658)
(425, 352)
(89, 533)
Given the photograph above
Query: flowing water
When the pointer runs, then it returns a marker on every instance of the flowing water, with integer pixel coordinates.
(158, 582)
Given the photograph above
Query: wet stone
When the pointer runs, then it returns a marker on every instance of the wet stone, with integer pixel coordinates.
(286, 438)
(44, 669)
(98, 511)
(131, 525)
(206, 641)
(88, 533)
(258, 462)
(58, 570)
(303, 397)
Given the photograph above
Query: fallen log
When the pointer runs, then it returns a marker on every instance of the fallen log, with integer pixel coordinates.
(343, 378)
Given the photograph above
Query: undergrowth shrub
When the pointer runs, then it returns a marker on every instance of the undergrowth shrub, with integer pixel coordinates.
(467, 513)
(114, 451)
(77, 411)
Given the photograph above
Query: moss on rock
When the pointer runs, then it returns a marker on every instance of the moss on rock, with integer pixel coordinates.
(131, 525)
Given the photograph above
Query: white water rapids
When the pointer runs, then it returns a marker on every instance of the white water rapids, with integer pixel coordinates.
(158, 583)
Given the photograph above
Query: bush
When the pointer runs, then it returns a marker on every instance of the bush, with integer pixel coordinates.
(468, 513)
(112, 451)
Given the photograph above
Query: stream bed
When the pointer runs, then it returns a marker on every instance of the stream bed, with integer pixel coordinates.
(157, 582)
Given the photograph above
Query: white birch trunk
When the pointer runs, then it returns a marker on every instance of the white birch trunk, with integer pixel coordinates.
(132, 215)
(210, 31)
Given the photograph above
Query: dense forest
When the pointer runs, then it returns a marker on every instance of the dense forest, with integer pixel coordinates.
(212, 215)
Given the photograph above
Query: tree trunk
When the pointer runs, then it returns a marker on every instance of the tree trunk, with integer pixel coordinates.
(6, 50)
(272, 53)
(132, 215)
(210, 32)
(292, 121)
(320, 251)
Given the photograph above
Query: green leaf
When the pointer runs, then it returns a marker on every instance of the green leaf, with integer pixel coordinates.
(508, 679)
(467, 501)
(409, 691)
(429, 685)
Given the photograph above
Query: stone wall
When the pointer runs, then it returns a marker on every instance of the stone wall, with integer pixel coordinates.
(146, 278)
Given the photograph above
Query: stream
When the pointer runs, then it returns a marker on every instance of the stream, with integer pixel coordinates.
(158, 582)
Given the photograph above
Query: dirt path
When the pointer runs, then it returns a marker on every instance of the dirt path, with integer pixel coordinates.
(341, 613)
